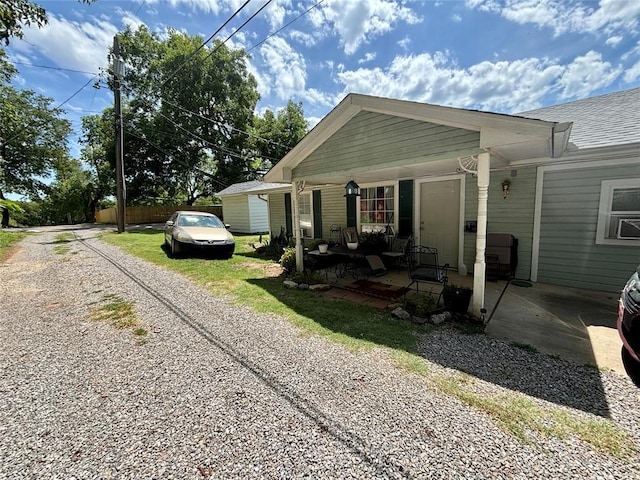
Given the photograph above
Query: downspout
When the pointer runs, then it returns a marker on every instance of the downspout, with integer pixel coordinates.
(481, 236)
(295, 207)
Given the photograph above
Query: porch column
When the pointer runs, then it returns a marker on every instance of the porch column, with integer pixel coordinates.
(295, 206)
(481, 236)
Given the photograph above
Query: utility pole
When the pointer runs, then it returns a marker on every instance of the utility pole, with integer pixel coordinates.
(118, 73)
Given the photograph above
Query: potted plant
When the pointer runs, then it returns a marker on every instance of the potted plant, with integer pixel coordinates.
(456, 298)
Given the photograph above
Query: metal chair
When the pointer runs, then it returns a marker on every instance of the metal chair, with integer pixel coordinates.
(398, 255)
(424, 267)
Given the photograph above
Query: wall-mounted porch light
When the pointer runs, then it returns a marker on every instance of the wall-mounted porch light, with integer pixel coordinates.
(506, 188)
(352, 189)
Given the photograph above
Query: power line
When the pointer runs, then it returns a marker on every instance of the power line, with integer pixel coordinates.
(77, 92)
(204, 43)
(214, 50)
(204, 172)
(218, 122)
(55, 68)
(285, 26)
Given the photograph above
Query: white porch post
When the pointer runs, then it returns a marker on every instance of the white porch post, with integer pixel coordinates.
(295, 207)
(481, 237)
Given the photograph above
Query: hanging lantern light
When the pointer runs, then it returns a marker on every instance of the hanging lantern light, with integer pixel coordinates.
(352, 189)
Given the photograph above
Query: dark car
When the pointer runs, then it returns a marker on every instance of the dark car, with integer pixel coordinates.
(189, 231)
(629, 326)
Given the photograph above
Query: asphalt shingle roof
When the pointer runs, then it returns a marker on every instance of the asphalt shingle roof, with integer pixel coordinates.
(605, 120)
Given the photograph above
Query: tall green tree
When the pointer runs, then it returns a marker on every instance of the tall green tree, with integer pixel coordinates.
(32, 137)
(274, 135)
(192, 106)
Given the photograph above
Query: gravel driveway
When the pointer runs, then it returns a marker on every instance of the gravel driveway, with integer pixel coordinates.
(218, 391)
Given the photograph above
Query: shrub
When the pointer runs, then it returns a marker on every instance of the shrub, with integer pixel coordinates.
(375, 241)
(288, 260)
(421, 305)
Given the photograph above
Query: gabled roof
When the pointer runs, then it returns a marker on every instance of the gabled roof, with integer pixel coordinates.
(605, 120)
(509, 137)
(253, 187)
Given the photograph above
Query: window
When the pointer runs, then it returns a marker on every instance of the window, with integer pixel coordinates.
(377, 205)
(306, 215)
(619, 214)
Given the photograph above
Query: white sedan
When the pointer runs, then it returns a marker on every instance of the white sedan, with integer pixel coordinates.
(198, 232)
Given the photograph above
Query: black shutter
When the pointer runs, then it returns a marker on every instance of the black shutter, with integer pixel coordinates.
(287, 214)
(405, 207)
(352, 219)
(317, 214)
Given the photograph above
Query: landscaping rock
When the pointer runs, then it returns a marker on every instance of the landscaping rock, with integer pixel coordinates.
(440, 318)
(418, 320)
(290, 284)
(320, 286)
(401, 313)
(303, 286)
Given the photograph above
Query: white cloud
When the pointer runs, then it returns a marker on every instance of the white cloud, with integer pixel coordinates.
(614, 40)
(286, 68)
(404, 43)
(358, 21)
(632, 74)
(456, 18)
(562, 17)
(586, 74)
(496, 86)
(368, 57)
(72, 44)
(306, 39)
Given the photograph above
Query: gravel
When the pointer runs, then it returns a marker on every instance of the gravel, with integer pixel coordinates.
(216, 390)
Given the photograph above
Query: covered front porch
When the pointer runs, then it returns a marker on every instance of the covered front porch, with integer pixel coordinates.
(558, 322)
(421, 170)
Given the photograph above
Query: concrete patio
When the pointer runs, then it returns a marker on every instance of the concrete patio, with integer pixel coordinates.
(577, 325)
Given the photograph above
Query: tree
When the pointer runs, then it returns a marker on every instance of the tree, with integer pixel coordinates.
(14, 14)
(274, 136)
(69, 196)
(32, 137)
(192, 108)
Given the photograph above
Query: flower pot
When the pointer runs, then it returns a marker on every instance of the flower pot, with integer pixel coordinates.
(323, 248)
(352, 245)
(457, 300)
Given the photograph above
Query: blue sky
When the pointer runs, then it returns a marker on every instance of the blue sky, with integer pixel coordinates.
(503, 56)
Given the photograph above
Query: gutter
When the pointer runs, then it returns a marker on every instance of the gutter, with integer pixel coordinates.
(560, 138)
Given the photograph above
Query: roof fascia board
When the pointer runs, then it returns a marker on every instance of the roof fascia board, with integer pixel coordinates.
(605, 154)
(453, 117)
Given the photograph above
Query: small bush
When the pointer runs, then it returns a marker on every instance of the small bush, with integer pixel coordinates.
(308, 277)
(288, 260)
(421, 305)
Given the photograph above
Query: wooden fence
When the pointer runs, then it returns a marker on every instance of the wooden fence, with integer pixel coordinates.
(136, 215)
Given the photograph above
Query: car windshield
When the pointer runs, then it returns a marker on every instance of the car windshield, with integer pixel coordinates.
(199, 221)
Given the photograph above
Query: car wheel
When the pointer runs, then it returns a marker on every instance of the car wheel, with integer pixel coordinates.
(173, 249)
(632, 366)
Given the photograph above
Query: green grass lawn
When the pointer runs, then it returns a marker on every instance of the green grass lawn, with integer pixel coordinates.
(8, 239)
(255, 282)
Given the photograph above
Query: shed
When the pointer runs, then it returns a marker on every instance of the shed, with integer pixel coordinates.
(245, 211)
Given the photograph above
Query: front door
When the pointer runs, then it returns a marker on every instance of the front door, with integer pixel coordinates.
(440, 219)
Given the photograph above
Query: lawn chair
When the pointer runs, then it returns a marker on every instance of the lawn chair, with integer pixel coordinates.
(398, 255)
(424, 267)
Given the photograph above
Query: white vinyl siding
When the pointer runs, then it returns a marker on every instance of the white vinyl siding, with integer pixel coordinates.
(245, 213)
(236, 213)
(277, 217)
(258, 214)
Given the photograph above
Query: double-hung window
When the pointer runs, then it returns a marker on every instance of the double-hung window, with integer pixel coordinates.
(377, 206)
(619, 213)
(306, 215)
